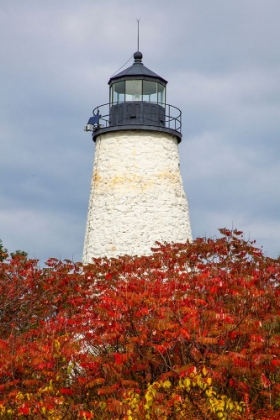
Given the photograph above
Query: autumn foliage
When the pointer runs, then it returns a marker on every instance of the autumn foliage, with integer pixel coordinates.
(190, 332)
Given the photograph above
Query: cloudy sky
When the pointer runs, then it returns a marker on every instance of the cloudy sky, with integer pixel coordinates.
(222, 61)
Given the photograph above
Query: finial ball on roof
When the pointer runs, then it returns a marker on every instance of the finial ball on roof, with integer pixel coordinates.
(138, 56)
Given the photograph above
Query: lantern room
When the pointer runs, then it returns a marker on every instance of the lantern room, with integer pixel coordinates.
(137, 96)
(137, 101)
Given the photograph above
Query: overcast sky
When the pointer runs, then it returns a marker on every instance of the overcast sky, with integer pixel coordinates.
(222, 61)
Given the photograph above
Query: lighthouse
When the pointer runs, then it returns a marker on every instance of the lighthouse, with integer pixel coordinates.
(137, 196)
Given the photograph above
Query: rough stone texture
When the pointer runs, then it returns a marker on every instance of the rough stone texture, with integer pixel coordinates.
(136, 196)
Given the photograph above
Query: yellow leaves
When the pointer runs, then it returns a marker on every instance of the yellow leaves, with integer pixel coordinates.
(20, 396)
(200, 383)
(6, 412)
(166, 384)
(70, 368)
(223, 406)
(148, 321)
(209, 392)
(56, 344)
(132, 401)
(149, 397)
(162, 400)
(204, 371)
(185, 384)
(48, 388)
(102, 405)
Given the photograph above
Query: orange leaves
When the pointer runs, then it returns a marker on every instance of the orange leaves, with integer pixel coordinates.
(185, 333)
(117, 407)
(207, 340)
(95, 382)
(32, 383)
(95, 343)
(164, 325)
(107, 390)
(129, 384)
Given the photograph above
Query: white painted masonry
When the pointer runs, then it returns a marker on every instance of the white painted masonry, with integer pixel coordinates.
(137, 195)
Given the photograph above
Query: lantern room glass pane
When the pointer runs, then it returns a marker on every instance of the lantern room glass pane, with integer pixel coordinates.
(133, 90)
(161, 94)
(117, 92)
(149, 91)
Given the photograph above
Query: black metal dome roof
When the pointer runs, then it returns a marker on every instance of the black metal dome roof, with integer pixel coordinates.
(137, 70)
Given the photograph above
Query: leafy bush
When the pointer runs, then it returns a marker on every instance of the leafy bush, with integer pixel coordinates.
(192, 331)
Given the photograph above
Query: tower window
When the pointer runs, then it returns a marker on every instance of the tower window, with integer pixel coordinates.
(133, 90)
(117, 92)
(136, 91)
(149, 91)
(161, 94)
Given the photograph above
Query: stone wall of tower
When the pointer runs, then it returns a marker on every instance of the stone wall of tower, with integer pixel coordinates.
(136, 196)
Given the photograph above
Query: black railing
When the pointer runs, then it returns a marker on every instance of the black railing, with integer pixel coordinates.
(139, 113)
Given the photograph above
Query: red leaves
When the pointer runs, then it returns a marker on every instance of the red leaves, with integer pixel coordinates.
(75, 341)
(120, 358)
(86, 414)
(24, 410)
(265, 381)
(66, 391)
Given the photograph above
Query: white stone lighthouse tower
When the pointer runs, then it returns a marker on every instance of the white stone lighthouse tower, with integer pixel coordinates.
(137, 195)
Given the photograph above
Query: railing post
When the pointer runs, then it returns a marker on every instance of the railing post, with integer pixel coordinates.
(168, 116)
